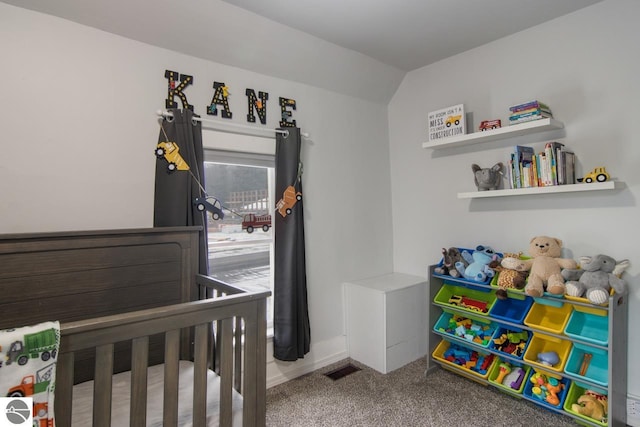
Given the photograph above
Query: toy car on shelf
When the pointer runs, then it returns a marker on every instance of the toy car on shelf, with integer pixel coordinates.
(210, 204)
(598, 174)
(453, 120)
(490, 124)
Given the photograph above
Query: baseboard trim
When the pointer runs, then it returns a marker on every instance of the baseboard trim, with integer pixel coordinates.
(321, 355)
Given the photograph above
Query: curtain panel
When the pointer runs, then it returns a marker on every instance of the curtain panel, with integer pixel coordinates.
(292, 334)
(176, 190)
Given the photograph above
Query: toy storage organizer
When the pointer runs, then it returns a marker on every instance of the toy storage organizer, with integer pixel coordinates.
(497, 342)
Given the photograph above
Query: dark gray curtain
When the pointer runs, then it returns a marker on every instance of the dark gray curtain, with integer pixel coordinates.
(291, 335)
(175, 191)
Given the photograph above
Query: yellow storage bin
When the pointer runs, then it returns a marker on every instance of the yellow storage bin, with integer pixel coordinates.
(463, 359)
(542, 351)
(548, 318)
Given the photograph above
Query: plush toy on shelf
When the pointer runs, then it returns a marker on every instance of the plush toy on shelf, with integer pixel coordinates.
(593, 405)
(478, 268)
(544, 267)
(509, 277)
(595, 278)
(487, 178)
(449, 259)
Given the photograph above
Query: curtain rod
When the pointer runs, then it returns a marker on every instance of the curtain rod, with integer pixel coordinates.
(285, 132)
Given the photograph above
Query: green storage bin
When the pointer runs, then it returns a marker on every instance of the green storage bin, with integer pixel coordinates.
(472, 300)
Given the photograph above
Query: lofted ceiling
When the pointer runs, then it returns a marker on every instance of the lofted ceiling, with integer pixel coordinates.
(365, 47)
(409, 34)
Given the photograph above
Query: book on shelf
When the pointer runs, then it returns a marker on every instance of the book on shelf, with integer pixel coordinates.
(521, 158)
(552, 166)
(529, 105)
(566, 173)
(527, 119)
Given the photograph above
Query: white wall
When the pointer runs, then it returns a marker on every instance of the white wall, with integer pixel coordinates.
(585, 66)
(79, 131)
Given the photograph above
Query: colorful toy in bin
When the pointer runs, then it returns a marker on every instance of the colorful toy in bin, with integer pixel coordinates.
(547, 389)
(473, 330)
(468, 358)
(548, 358)
(510, 377)
(469, 303)
(588, 362)
(513, 342)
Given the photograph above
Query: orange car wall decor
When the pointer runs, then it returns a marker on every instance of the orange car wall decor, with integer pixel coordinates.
(288, 201)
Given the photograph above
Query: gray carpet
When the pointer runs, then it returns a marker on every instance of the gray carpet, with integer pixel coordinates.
(404, 397)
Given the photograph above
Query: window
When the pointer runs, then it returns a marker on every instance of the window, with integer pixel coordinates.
(243, 184)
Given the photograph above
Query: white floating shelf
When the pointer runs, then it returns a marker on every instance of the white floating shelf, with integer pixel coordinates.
(509, 131)
(594, 186)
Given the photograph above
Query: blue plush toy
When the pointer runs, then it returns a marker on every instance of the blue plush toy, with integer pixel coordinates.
(478, 268)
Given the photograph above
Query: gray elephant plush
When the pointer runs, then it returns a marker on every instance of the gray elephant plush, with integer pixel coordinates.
(595, 278)
(449, 259)
(487, 178)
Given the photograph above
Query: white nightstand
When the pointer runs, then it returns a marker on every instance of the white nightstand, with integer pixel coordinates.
(386, 320)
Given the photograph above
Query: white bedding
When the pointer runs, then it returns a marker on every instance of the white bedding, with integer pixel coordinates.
(83, 399)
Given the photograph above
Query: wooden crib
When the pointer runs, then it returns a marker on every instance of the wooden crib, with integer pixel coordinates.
(129, 302)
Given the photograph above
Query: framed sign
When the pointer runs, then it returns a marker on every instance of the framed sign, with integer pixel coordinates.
(447, 122)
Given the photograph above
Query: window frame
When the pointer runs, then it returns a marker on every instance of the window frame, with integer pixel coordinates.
(250, 159)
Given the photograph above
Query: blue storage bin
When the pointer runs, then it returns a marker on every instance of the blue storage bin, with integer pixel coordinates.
(541, 397)
(588, 327)
(511, 309)
(595, 370)
(519, 351)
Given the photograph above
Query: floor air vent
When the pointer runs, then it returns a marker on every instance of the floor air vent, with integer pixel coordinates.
(342, 372)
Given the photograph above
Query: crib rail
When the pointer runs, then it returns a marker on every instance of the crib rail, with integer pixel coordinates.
(194, 318)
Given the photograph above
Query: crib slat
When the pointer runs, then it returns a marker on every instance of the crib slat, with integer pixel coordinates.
(64, 389)
(170, 402)
(226, 372)
(255, 366)
(102, 386)
(139, 362)
(237, 373)
(200, 375)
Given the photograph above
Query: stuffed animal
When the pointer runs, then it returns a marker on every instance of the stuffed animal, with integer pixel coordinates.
(595, 278)
(545, 266)
(509, 277)
(593, 405)
(478, 268)
(487, 178)
(449, 259)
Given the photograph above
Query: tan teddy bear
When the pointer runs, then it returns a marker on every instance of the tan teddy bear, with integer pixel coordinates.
(544, 267)
(592, 405)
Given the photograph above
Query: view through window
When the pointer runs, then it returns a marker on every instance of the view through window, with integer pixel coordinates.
(243, 185)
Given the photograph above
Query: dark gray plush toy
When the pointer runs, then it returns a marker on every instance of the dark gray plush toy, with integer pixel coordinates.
(487, 178)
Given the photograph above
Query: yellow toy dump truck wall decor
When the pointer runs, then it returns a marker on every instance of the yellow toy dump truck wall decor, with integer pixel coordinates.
(170, 151)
